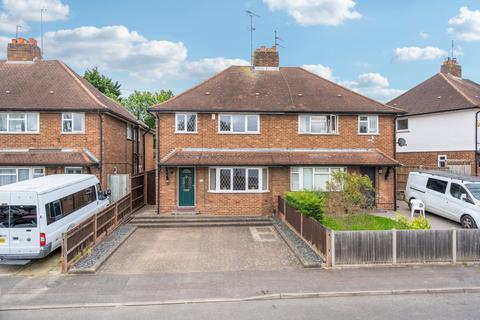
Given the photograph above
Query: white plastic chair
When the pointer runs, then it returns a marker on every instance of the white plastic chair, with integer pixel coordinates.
(417, 206)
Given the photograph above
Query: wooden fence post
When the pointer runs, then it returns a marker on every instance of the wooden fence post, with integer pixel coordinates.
(64, 253)
(333, 248)
(328, 248)
(95, 225)
(394, 246)
(454, 246)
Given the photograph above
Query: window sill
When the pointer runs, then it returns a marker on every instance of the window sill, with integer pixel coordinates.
(239, 192)
(3, 132)
(318, 134)
(368, 134)
(403, 131)
(72, 133)
(239, 133)
(179, 132)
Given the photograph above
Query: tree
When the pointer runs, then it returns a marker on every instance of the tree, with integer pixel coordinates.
(103, 83)
(139, 101)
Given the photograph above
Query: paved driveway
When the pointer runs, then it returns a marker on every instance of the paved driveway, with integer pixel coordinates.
(201, 249)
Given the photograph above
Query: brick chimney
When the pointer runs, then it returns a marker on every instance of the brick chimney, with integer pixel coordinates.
(451, 66)
(23, 50)
(266, 57)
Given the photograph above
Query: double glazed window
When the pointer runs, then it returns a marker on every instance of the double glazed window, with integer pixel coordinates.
(239, 123)
(73, 170)
(238, 179)
(73, 122)
(318, 124)
(402, 124)
(368, 124)
(17, 122)
(12, 175)
(310, 178)
(61, 208)
(186, 122)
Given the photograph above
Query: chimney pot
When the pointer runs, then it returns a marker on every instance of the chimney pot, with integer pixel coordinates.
(266, 57)
(23, 50)
(451, 66)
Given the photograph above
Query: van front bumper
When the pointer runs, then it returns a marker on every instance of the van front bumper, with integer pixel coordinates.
(44, 251)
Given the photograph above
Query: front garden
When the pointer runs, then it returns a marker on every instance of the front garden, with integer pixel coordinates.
(346, 205)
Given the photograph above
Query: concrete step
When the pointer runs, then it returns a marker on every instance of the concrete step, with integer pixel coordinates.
(175, 219)
(182, 224)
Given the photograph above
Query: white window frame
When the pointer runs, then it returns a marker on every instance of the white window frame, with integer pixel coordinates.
(260, 180)
(31, 174)
(10, 116)
(330, 129)
(231, 115)
(73, 168)
(403, 130)
(314, 169)
(129, 131)
(442, 158)
(368, 133)
(73, 125)
(185, 117)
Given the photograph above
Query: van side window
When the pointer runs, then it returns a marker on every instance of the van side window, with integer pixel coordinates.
(63, 207)
(437, 185)
(457, 190)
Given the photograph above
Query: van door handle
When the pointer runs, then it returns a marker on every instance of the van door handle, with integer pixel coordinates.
(14, 238)
(29, 230)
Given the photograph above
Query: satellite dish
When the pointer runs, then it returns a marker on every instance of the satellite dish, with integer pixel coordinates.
(402, 142)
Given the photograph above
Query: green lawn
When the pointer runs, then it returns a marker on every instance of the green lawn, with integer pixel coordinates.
(359, 222)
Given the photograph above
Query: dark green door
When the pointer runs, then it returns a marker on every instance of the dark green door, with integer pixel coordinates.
(186, 187)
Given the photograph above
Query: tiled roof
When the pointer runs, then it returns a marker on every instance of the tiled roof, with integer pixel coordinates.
(288, 89)
(442, 92)
(46, 157)
(277, 157)
(50, 85)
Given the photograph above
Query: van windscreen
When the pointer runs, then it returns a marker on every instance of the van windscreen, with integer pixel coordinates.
(474, 188)
(18, 216)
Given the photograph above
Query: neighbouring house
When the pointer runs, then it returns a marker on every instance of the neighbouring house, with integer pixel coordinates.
(54, 121)
(232, 144)
(441, 126)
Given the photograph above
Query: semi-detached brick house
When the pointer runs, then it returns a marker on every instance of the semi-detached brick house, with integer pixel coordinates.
(53, 121)
(235, 142)
(442, 125)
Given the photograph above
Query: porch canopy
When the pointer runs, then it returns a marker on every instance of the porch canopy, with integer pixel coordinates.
(47, 157)
(277, 157)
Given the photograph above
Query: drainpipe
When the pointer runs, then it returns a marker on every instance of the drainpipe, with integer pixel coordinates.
(100, 117)
(157, 163)
(476, 142)
(395, 157)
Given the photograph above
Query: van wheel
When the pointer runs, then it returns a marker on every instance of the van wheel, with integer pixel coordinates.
(468, 222)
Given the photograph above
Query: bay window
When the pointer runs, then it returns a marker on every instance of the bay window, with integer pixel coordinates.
(311, 178)
(239, 123)
(17, 122)
(73, 122)
(318, 124)
(368, 124)
(238, 179)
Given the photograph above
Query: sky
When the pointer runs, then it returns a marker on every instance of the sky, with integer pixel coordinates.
(377, 48)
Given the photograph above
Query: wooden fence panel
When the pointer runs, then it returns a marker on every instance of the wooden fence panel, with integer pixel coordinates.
(363, 247)
(468, 245)
(294, 218)
(137, 191)
(420, 246)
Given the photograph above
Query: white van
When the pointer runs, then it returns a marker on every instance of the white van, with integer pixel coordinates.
(452, 196)
(35, 213)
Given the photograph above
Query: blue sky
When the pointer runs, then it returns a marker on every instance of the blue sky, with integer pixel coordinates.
(378, 48)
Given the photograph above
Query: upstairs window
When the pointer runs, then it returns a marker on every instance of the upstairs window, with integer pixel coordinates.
(17, 122)
(368, 124)
(73, 122)
(185, 123)
(318, 124)
(402, 124)
(239, 123)
(442, 161)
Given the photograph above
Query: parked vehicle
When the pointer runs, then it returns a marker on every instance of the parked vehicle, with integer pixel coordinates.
(35, 213)
(452, 196)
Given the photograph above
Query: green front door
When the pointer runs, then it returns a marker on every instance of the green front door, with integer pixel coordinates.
(186, 187)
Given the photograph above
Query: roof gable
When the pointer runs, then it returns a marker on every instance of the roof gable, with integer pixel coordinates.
(440, 93)
(288, 89)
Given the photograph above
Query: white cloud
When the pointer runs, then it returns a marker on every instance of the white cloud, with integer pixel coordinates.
(115, 48)
(321, 70)
(466, 25)
(316, 12)
(29, 10)
(8, 23)
(423, 35)
(373, 85)
(417, 53)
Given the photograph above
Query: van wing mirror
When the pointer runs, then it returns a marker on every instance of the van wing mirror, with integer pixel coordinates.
(109, 192)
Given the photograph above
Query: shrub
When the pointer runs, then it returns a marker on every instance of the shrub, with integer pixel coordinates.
(310, 203)
(415, 223)
(348, 193)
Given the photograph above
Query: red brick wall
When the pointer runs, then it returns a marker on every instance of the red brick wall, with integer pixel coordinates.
(276, 131)
(430, 159)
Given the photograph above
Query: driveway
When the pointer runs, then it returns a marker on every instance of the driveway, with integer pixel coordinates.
(201, 249)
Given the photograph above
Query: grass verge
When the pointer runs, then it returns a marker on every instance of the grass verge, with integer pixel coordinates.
(359, 222)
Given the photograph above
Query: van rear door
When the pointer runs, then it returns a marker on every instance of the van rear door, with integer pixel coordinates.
(4, 223)
(24, 230)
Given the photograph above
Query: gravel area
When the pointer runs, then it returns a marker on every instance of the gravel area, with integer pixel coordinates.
(307, 255)
(105, 247)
